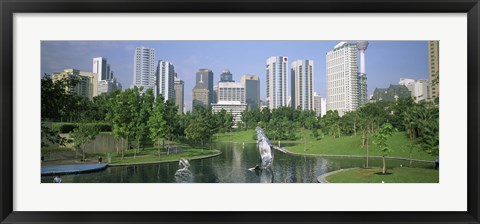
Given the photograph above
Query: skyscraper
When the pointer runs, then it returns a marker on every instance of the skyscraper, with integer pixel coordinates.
(276, 76)
(144, 67)
(226, 76)
(433, 68)
(203, 93)
(252, 90)
(101, 68)
(302, 84)
(165, 76)
(179, 94)
(342, 78)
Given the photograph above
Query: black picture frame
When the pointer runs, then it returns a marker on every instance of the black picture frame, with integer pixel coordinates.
(10, 7)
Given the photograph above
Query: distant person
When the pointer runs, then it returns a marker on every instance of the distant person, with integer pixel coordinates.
(57, 179)
(437, 165)
(100, 160)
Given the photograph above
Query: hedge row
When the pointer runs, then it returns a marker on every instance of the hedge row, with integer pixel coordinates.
(68, 127)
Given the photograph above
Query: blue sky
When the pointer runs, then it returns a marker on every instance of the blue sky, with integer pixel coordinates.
(386, 61)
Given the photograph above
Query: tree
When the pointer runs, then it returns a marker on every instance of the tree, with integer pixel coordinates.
(82, 135)
(157, 124)
(50, 136)
(381, 137)
(331, 122)
(140, 107)
(57, 98)
(410, 123)
(200, 127)
(364, 121)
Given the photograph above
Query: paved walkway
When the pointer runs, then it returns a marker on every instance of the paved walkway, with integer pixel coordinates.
(72, 168)
(321, 178)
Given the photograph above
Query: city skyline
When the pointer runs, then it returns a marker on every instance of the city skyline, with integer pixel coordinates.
(387, 61)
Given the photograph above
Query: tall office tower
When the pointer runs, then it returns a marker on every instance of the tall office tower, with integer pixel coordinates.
(231, 91)
(203, 91)
(433, 68)
(362, 75)
(252, 90)
(226, 76)
(302, 84)
(179, 94)
(144, 68)
(165, 76)
(109, 73)
(342, 78)
(276, 76)
(101, 68)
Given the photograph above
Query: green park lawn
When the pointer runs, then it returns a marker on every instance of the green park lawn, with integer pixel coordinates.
(394, 175)
(150, 155)
(328, 145)
(146, 155)
(236, 136)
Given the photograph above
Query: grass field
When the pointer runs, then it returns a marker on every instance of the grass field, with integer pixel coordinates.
(351, 145)
(236, 136)
(394, 175)
(345, 145)
(146, 155)
(153, 157)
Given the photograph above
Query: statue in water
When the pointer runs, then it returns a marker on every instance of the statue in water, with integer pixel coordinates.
(266, 153)
(183, 175)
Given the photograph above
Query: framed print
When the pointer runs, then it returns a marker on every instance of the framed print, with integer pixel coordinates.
(246, 112)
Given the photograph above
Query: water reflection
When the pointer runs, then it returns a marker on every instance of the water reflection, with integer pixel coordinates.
(230, 167)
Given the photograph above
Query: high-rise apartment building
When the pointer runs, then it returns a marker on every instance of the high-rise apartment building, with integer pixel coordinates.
(276, 76)
(179, 95)
(203, 93)
(302, 84)
(433, 68)
(418, 88)
(252, 90)
(82, 88)
(165, 76)
(342, 78)
(93, 83)
(320, 105)
(144, 68)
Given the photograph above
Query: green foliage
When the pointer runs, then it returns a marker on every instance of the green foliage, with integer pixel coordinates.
(69, 127)
(201, 126)
(83, 134)
(51, 136)
(398, 175)
(156, 123)
(380, 138)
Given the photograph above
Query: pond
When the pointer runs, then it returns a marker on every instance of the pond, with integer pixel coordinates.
(232, 166)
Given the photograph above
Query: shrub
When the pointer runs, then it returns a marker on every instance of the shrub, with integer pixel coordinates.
(68, 127)
(64, 127)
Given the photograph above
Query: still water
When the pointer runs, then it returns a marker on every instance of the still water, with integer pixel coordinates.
(232, 166)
